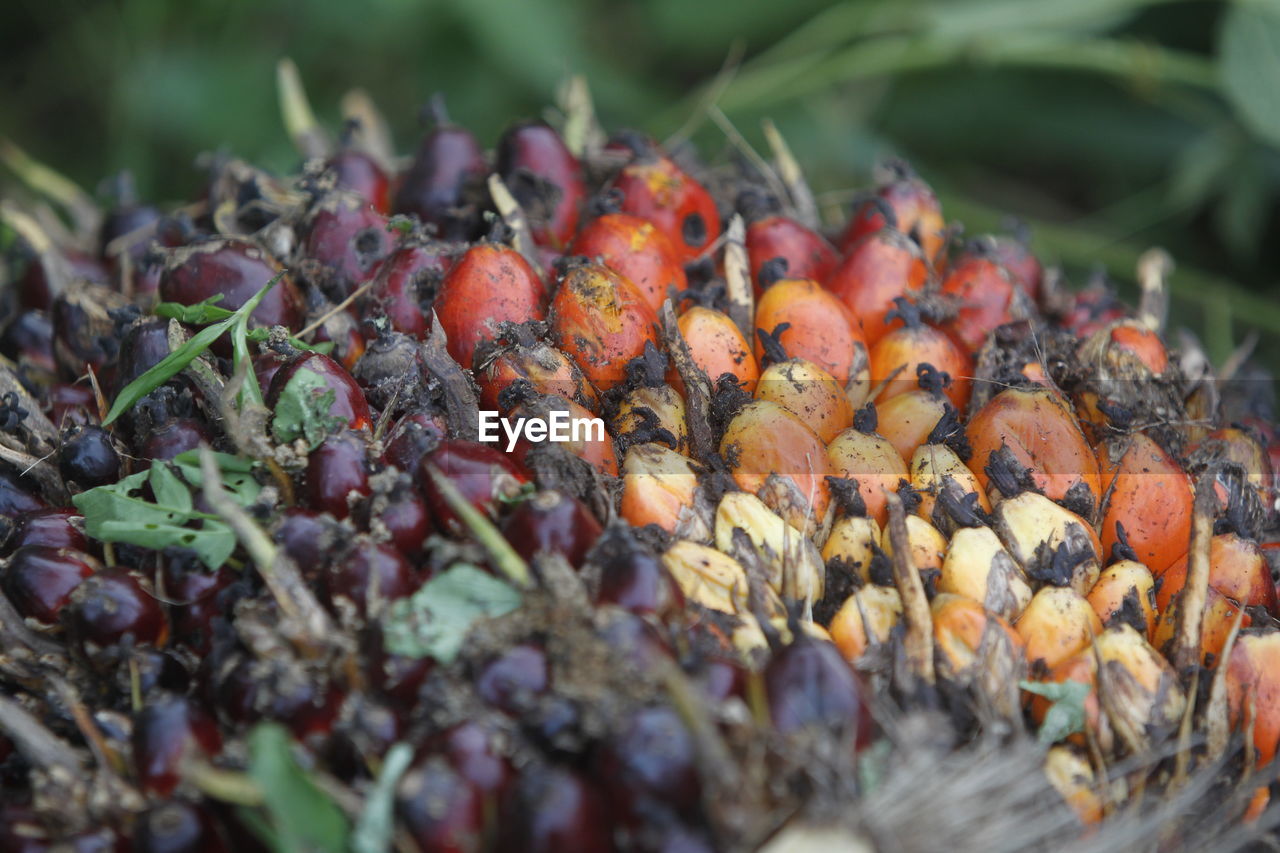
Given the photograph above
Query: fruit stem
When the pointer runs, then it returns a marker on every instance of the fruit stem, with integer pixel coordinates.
(697, 386)
(803, 205)
(918, 640)
(295, 110)
(737, 275)
(1191, 604)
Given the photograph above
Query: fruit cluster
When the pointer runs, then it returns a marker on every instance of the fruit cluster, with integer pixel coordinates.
(263, 585)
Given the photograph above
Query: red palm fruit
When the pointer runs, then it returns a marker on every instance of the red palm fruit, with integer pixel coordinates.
(553, 523)
(984, 291)
(585, 435)
(345, 242)
(1237, 569)
(369, 577)
(809, 685)
(635, 249)
(555, 809)
(357, 172)
(1253, 691)
(413, 436)
(1016, 257)
(48, 528)
(717, 346)
(656, 189)
(237, 269)
(196, 601)
(773, 454)
(349, 402)
(111, 607)
(406, 281)
(806, 253)
(440, 810)
(870, 459)
(483, 474)
(904, 349)
(545, 178)
(879, 267)
(821, 329)
(337, 472)
(167, 731)
(1040, 431)
(39, 580)
(432, 188)
(406, 518)
(903, 201)
(1150, 496)
(1118, 348)
(601, 322)
(522, 356)
(487, 286)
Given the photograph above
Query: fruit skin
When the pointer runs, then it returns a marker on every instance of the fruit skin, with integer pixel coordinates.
(717, 346)
(553, 523)
(808, 683)
(405, 280)
(807, 254)
(345, 241)
(651, 761)
(875, 270)
(871, 460)
(545, 178)
(821, 330)
(658, 486)
(236, 269)
(912, 345)
(359, 173)
(488, 285)
(112, 605)
(913, 205)
(432, 187)
(601, 321)
(369, 577)
(39, 580)
(1055, 625)
(1040, 430)
(656, 189)
(1237, 570)
(167, 731)
(50, 528)
(480, 472)
(1150, 496)
(772, 451)
(87, 457)
(984, 291)
(865, 620)
(335, 470)
(1126, 590)
(810, 393)
(554, 810)
(1253, 690)
(440, 810)
(637, 250)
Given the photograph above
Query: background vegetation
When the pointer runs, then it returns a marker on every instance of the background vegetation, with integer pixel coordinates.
(1107, 125)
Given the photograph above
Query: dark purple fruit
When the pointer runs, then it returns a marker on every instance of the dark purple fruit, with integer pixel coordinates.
(552, 523)
(88, 458)
(337, 473)
(809, 684)
(39, 580)
(166, 732)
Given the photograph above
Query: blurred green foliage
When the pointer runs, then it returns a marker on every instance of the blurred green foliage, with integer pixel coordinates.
(1107, 125)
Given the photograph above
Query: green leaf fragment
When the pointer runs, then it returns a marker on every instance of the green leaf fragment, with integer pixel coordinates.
(376, 825)
(1066, 715)
(1249, 64)
(302, 816)
(302, 411)
(434, 621)
(199, 314)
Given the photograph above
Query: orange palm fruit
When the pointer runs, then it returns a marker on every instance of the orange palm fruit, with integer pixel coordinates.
(487, 286)
(1071, 775)
(851, 545)
(717, 346)
(985, 293)
(820, 330)
(808, 392)
(1126, 591)
(860, 454)
(601, 322)
(649, 408)
(1051, 543)
(1056, 624)
(587, 441)
(1220, 615)
(931, 466)
(1139, 689)
(876, 269)
(1237, 569)
(659, 487)
(959, 626)
(900, 352)
(1042, 435)
(928, 545)
(1253, 691)
(865, 620)
(773, 454)
(1150, 496)
(978, 567)
(1081, 668)
(521, 355)
(916, 418)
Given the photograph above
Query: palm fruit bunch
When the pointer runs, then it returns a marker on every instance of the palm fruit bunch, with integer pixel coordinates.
(875, 536)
